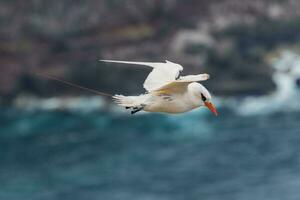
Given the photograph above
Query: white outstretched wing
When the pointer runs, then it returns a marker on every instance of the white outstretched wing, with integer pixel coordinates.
(180, 85)
(162, 73)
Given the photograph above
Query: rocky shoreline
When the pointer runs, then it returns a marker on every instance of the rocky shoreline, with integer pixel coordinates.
(230, 39)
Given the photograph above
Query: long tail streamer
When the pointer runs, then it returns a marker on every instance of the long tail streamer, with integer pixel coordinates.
(73, 84)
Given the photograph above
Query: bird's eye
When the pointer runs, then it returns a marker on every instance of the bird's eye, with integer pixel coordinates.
(203, 97)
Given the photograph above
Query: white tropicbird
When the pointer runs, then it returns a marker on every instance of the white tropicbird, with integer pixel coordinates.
(166, 91)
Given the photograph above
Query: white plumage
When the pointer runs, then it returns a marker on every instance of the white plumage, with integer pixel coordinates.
(167, 91)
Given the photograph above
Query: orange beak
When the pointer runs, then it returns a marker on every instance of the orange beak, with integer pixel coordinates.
(211, 107)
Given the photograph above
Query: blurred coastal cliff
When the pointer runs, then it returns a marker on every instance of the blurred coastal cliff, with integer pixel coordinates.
(231, 39)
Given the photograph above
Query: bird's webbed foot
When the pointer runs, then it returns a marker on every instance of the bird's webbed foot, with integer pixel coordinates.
(137, 109)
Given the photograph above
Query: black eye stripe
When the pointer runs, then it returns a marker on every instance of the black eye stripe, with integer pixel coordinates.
(203, 97)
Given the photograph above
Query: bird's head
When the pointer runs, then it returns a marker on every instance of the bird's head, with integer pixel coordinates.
(204, 96)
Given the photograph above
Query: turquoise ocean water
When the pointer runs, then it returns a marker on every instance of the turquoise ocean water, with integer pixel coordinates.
(108, 155)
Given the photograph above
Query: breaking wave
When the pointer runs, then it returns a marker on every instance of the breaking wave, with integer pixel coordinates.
(284, 99)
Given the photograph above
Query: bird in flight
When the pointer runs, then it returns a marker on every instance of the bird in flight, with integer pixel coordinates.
(167, 92)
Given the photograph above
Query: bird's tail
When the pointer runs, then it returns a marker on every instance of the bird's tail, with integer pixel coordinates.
(73, 84)
(135, 103)
(127, 101)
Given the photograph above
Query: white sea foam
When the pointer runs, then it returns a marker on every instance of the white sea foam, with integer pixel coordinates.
(285, 98)
(85, 104)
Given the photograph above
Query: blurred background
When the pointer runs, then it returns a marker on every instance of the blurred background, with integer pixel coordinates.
(58, 142)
